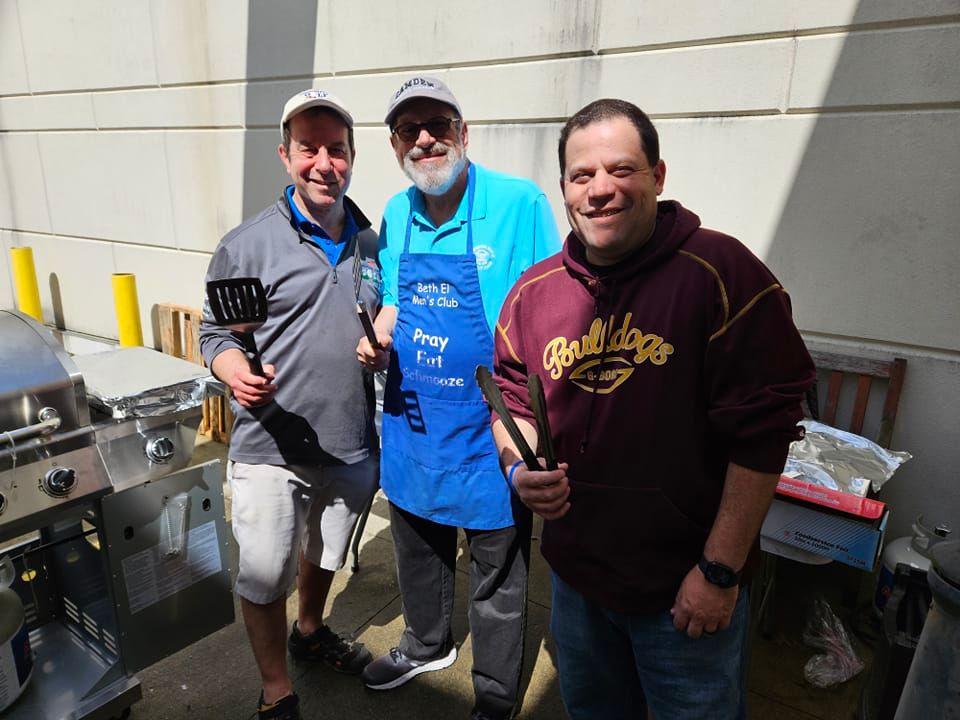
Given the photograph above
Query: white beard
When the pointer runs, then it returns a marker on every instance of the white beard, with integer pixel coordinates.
(436, 180)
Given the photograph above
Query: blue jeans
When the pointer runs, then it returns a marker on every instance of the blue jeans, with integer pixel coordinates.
(614, 665)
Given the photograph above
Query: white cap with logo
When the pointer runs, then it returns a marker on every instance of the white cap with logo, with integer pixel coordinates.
(420, 86)
(306, 99)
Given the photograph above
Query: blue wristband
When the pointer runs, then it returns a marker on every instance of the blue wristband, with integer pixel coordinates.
(510, 473)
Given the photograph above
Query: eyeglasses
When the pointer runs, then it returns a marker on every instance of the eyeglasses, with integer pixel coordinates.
(438, 127)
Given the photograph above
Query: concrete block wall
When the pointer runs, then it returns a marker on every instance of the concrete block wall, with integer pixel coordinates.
(135, 133)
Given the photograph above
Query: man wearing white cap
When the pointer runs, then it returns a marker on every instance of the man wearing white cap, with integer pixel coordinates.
(302, 461)
(451, 246)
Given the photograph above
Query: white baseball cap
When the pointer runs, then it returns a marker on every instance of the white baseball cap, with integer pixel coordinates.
(306, 99)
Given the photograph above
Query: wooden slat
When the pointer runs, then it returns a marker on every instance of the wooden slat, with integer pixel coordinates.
(169, 331)
(191, 338)
(860, 404)
(833, 398)
(851, 364)
(898, 371)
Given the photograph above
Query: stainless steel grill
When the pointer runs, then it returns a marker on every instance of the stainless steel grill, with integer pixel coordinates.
(122, 558)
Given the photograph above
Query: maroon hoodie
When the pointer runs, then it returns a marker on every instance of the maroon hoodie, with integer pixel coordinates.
(658, 372)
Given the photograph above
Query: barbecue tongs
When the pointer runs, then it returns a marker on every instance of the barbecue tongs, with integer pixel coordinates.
(491, 394)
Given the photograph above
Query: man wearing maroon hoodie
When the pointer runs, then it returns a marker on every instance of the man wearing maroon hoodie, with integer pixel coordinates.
(673, 375)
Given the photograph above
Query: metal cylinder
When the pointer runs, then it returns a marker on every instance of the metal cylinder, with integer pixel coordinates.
(128, 309)
(16, 657)
(932, 689)
(25, 280)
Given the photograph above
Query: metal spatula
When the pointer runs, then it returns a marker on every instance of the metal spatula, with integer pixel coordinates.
(240, 304)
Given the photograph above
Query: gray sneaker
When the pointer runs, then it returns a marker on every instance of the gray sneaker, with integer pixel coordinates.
(394, 669)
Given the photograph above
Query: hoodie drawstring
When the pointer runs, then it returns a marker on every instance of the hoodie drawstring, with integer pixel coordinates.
(595, 287)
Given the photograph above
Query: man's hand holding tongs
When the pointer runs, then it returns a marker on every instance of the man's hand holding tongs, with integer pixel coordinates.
(543, 491)
(540, 482)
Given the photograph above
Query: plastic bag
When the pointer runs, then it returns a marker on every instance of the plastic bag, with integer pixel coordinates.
(824, 631)
(840, 460)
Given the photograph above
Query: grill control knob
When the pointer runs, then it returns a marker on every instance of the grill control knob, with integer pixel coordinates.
(60, 481)
(160, 449)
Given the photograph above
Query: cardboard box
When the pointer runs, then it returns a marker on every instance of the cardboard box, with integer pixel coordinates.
(837, 525)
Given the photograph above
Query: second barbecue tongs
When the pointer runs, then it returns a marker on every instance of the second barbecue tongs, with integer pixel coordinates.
(494, 398)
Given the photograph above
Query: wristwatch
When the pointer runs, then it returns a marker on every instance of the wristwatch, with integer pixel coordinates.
(718, 574)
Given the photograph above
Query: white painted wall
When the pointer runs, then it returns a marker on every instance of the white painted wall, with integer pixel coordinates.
(134, 133)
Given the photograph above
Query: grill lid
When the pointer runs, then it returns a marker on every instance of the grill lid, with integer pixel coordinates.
(37, 373)
(48, 454)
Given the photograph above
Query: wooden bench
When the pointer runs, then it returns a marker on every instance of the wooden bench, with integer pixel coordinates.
(180, 337)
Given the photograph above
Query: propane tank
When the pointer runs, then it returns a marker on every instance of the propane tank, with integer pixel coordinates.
(16, 658)
(914, 551)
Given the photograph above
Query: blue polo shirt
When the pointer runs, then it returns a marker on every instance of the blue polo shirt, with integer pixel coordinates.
(513, 228)
(318, 235)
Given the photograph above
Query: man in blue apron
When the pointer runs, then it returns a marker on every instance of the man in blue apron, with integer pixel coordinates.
(450, 248)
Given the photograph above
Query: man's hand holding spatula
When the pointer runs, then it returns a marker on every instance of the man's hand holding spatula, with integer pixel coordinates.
(251, 390)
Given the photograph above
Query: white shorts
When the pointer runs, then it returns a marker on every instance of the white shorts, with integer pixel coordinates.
(277, 509)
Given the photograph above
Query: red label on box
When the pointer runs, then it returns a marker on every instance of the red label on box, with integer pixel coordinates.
(833, 499)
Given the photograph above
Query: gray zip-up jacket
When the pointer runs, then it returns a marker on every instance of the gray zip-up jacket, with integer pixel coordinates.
(323, 410)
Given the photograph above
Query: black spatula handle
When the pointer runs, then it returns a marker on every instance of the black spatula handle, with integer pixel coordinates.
(367, 325)
(253, 355)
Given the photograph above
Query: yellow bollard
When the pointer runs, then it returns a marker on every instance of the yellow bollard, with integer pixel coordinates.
(128, 309)
(25, 280)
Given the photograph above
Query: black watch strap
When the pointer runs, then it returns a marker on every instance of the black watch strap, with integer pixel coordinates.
(718, 574)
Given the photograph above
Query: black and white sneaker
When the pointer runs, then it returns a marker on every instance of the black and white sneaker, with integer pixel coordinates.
(337, 651)
(394, 669)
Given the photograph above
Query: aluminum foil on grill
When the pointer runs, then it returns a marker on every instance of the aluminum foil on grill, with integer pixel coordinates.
(140, 382)
(840, 460)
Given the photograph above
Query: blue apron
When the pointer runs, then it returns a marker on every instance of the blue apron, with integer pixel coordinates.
(439, 461)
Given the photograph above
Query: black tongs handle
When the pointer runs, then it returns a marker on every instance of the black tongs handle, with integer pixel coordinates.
(538, 403)
(493, 397)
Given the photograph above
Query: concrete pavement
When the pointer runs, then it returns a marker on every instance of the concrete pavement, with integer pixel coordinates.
(216, 677)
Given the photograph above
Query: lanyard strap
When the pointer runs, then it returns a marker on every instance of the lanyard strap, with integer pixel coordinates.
(471, 184)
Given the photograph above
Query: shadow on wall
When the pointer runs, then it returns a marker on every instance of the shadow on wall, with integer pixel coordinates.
(866, 242)
(56, 299)
(868, 211)
(281, 39)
